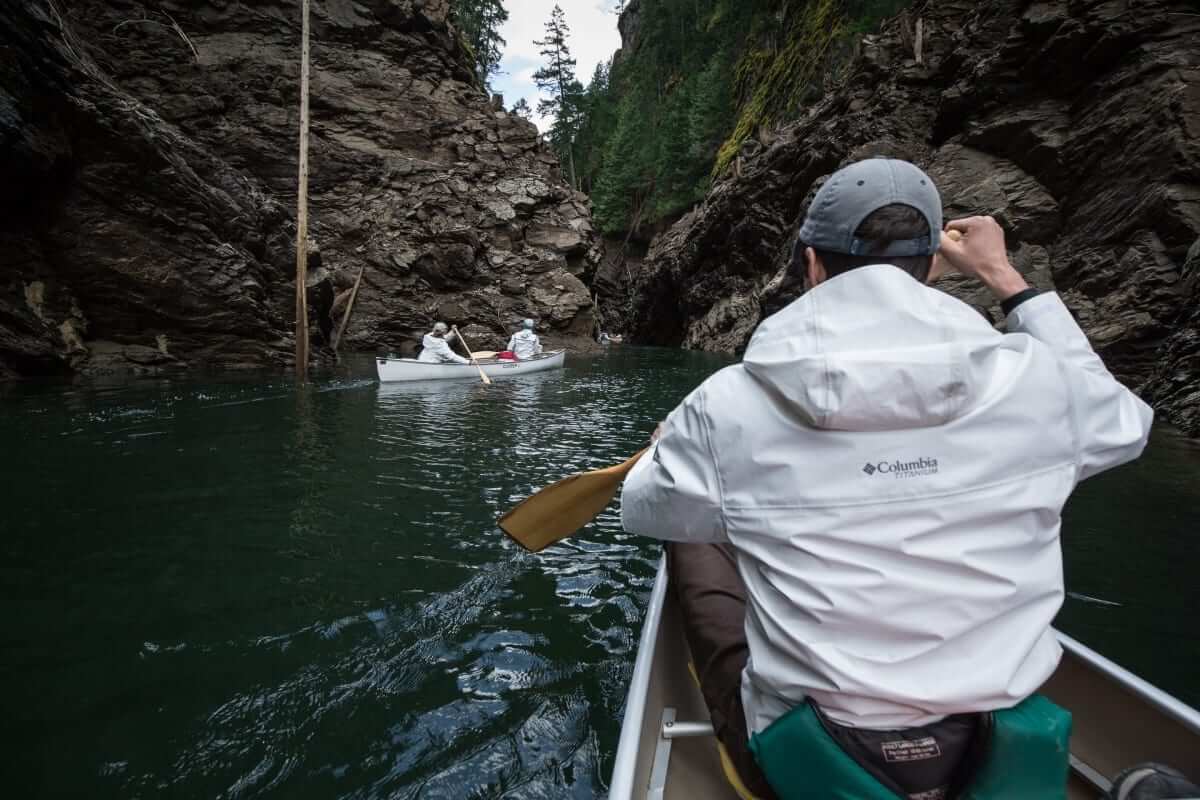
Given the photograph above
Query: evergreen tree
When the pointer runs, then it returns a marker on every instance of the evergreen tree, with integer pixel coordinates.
(521, 109)
(670, 104)
(564, 93)
(626, 182)
(674, 166)
(711, 113)
(597, 119)
(654, 128)
(480, 21)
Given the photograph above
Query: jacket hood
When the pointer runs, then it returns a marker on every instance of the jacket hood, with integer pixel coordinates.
(874, 350)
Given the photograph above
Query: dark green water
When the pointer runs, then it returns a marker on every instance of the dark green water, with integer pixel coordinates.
(230, 588)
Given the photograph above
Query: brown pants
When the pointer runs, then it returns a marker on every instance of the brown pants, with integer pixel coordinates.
(712, 599)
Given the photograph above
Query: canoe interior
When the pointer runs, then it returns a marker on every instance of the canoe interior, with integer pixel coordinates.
(695, 771)
(1114, 726)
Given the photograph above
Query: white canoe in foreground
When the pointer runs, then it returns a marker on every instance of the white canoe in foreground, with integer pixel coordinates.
(409, 369)
(1119, 719)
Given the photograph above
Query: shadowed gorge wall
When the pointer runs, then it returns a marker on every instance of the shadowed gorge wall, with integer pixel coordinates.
(148, 151)
(1076, 124)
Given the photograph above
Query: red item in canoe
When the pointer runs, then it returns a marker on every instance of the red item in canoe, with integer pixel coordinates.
(507, 355)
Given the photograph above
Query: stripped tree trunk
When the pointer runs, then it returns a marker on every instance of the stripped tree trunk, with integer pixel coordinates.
(302, 213)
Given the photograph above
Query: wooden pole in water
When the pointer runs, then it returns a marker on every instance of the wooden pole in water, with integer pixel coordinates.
(599, 315)
(337, 339)
(302, 212)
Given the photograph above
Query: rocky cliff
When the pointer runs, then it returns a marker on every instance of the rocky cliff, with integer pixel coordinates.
(1076, 123)
(148, 154)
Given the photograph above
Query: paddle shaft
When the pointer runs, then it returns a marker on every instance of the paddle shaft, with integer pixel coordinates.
(941, 267)
(482, 375)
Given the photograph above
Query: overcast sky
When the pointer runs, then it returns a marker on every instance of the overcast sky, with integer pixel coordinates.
(593, 39)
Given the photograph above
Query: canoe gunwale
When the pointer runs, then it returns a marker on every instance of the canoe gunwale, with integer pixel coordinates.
(540, 357)
(629, 744)
(1168, 704)
(402, 370)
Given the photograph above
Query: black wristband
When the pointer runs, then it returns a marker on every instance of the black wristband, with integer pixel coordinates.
(1010, 305)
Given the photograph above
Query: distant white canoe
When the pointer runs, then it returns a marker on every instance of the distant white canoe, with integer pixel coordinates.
(409, 369)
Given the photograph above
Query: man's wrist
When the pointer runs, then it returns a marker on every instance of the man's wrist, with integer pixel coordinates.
(1015, 301)
(1004, 283)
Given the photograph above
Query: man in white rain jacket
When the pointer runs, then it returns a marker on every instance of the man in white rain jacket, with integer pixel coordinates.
(876, 489)
(525, 343)
(435, 347)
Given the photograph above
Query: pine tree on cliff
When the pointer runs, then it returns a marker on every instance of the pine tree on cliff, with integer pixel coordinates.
(597, 118)
(480, 21)
(521, 109)
(557, 80)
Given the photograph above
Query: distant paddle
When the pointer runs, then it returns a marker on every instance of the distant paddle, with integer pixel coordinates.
(564, 507)
(482, 375)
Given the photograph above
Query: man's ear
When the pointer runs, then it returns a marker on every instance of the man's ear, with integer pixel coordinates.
(815, 271)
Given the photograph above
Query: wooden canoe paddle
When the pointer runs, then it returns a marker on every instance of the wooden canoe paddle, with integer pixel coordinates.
(564, 507)
(482, 375)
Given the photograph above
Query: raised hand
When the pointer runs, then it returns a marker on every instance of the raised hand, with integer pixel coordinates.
(975, 246)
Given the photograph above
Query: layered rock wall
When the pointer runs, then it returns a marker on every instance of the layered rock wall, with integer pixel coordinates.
(148, 152)
(1077, 124)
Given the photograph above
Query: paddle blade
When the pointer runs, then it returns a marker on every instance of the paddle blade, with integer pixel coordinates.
(564, 507)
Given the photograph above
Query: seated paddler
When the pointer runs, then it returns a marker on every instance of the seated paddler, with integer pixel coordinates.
(862, 517)
(525, 344)
(435, 346)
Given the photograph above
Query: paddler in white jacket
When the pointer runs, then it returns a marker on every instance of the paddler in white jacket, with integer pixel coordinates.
(435, 347)
(864, 514)
(525, 344)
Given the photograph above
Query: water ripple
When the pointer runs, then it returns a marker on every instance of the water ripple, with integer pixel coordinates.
(284, 593)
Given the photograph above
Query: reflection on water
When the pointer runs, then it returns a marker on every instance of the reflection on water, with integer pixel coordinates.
(1131, 538)
(234, 588)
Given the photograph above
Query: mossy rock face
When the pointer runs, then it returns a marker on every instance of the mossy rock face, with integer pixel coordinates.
(1008, 112)
(772, 85)
(695, 81)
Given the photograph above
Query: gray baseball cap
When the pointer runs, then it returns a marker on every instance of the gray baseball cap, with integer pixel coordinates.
(855, 192)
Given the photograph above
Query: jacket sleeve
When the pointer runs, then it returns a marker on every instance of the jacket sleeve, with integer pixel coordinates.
(537, 345)
(673, 492)
(512, 343)
(1111, 423)
(442, 348)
